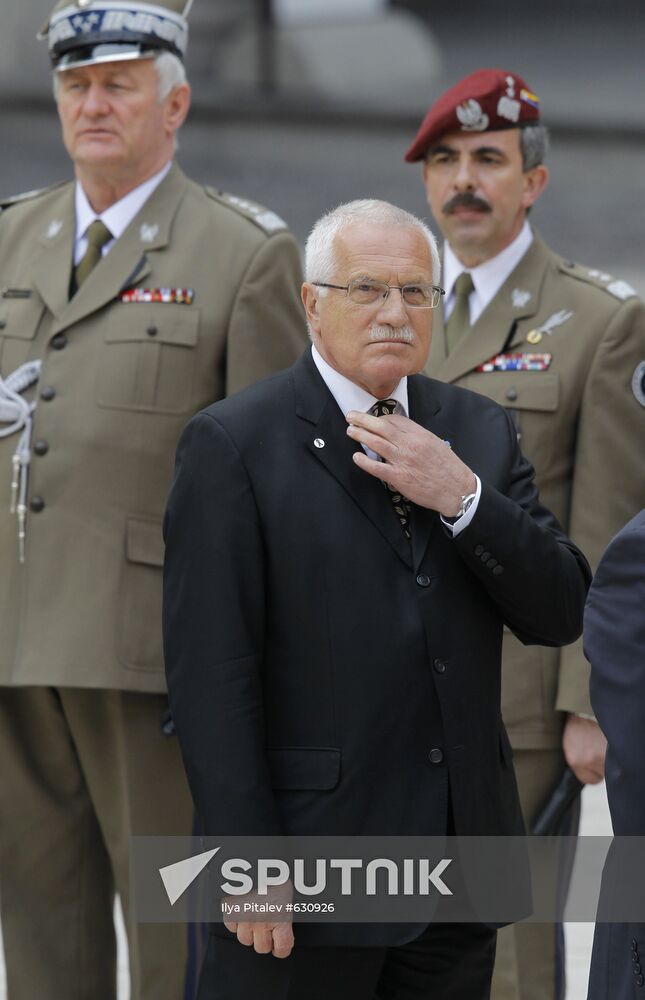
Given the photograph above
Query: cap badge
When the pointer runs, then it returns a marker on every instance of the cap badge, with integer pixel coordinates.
(83, 3)
(471, 116)
(520, 298)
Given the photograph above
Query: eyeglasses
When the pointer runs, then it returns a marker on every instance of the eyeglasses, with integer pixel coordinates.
(365, 292)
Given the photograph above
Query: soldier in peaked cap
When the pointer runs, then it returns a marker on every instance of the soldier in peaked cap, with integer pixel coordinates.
(131, 298)
(562, 347)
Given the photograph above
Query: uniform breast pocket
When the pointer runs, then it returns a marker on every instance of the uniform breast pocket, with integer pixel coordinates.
(19, 322)
(148, 358)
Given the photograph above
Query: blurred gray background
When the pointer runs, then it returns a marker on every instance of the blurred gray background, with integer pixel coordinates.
(301, 104)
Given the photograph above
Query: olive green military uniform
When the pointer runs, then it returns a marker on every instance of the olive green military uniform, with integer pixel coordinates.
(580, 416)
(85, 763)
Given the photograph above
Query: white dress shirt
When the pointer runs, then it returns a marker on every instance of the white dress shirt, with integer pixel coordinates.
(117, 217)
(488, 277)
(350, 396)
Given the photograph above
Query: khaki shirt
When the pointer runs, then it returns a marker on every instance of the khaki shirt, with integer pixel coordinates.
(119, 381)
(581, 421)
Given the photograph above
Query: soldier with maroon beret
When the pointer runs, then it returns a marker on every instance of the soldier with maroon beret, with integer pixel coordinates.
(562, 347)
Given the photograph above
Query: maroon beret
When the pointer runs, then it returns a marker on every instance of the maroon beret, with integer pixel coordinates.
(486, 101)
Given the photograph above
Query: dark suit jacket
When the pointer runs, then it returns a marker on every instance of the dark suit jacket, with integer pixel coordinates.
(614, 639)
(314, 658)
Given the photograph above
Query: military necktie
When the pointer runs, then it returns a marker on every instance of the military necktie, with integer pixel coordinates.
(459, 321)
(402, 506)
(98, 235)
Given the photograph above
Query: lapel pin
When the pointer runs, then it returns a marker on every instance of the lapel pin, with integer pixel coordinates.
(54, 229)
(534, 337)
(520, 298)
(148, 233)
(319, 443)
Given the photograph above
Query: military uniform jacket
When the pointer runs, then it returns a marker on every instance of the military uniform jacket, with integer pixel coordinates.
(580, 417)
(119, 379)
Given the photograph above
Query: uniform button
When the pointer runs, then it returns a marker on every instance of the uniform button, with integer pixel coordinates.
(37, 504)
(152, 330)
(484, 556)
(47, 393)
(639, 980)
(511, 394)
(436, 756)
(498, 571)
(439, 666)
(59, 341)
(492, 563)
(41, 447)
(423, 580)
(478, 550)
(635, 945)
(637, 968)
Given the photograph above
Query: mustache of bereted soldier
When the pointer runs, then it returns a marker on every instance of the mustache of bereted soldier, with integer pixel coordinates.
(382, 331)
(465, 199)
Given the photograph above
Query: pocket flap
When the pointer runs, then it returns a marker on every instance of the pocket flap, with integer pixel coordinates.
(167, 324)
(314, 768)
(144, 542)
(524, 390)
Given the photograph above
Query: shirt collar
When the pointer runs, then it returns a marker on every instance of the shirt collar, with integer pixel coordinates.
(488, 277)
(350, 396)
(118, 216)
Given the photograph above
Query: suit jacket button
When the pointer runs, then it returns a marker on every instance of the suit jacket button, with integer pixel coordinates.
(439, 666)
(498, 570)
(479, 549)
(41, 447)
(640, 980)
(492, 563)
(637, 968)
(59, 342)
(423, 580)
(48, 393)
(436, 756)
(37, 504)
(484, 556)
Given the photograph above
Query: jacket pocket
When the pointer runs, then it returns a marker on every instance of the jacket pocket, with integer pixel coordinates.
(306, 768)
(140, 646)
(148, 358)
(19, 323)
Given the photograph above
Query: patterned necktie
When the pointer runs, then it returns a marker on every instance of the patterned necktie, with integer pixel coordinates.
(459, 321)
(98, 235)
(402, 506)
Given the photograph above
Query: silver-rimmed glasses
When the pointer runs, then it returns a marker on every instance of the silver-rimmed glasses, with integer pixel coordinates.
(365, 292)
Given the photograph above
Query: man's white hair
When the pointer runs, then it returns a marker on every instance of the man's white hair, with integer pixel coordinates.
(170, 70)
(320, 258)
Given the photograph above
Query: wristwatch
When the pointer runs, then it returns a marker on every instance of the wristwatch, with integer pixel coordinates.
(467, 501)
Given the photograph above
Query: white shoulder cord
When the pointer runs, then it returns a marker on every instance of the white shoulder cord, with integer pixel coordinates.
(18, 414)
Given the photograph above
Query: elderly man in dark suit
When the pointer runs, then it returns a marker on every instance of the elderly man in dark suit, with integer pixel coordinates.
(345, 543)
(614, 640)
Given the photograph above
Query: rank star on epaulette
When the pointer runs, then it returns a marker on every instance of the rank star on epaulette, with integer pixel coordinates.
(517, 363)
(166, 296)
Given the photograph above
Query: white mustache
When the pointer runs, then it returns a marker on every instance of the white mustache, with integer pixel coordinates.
(381, 331)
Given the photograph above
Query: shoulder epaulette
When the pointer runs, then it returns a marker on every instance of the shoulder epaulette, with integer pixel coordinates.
(17, 199)
(263, 217)
(600, 279)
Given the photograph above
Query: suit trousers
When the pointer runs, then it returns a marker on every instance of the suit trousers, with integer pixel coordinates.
(530, 956)
(447, 962)
(82, 772)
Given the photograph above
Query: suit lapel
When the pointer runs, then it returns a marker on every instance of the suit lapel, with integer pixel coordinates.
(51, 269)
(489, 335)
(323, 421)
(126, 264)
(424, 410)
